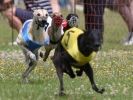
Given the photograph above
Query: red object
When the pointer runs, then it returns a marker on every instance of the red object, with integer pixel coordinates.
(64, 23)
(58, 20)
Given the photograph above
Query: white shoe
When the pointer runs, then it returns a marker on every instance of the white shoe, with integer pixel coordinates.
(15, 43)
(129, 42)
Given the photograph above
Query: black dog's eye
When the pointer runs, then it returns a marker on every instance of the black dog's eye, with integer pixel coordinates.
(38, 14)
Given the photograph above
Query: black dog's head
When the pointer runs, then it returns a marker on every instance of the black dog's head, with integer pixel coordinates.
(91, 41)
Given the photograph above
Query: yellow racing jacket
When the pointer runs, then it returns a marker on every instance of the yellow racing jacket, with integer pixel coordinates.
(70, 44)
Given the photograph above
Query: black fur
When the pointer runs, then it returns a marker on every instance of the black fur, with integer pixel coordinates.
(88, 42)
(1, 1)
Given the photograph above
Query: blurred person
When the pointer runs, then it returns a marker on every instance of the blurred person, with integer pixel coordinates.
(55, 6)
(94, 11)
(17, 16)
(8, 9)
(67, 3)
(16, 2)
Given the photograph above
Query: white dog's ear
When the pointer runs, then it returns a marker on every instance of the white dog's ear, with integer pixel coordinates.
(45, 13)
(40, 13)
(50, 15)
(35, 12)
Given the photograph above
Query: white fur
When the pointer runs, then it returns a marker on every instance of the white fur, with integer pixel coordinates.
(36, 35)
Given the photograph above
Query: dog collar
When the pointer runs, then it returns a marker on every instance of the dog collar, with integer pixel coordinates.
(54, 42)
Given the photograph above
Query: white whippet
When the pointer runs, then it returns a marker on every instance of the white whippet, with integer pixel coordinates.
(32, 36)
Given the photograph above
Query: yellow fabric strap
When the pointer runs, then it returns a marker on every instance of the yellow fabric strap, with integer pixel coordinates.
(70, 43)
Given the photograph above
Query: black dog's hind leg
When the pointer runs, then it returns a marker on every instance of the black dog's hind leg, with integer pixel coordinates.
(60, 76)
(31, 65)
(59, 71)
(79, 72)
(89, 72)
(68, 69)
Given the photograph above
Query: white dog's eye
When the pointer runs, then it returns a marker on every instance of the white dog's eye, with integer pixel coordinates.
(46, 15)
(38, 14)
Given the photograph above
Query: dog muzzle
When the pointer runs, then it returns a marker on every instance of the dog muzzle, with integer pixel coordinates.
(57, 20)
(41, 23)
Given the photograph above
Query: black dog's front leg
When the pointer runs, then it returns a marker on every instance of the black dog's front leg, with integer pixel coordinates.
(89, 72)
(79, 72)
(59, 70)
(46, 54)
(60, 76)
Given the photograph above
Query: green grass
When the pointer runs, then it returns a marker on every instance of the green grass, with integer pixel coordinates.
(112, 66)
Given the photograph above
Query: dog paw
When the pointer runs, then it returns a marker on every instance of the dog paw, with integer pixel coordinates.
(72, 76)
(101, 90)
(31, 63)
(98, 90)
(25, 81)
(62, 94)
(79, 72)
(32, 56)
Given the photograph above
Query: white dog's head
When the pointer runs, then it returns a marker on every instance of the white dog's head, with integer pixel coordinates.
(40, 16)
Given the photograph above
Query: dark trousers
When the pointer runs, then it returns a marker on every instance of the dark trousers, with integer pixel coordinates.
(94, 11)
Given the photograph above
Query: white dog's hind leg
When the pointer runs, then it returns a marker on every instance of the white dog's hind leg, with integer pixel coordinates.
(31, 65)
(25, 75)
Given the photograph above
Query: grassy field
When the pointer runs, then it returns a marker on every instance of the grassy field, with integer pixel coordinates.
(113, 69)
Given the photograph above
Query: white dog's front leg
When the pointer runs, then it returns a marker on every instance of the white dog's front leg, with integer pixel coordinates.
(31, 55)
(28, 52)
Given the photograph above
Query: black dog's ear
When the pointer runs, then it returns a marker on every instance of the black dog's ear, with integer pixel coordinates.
(98, 34)
(87, 33)
(95, 33)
